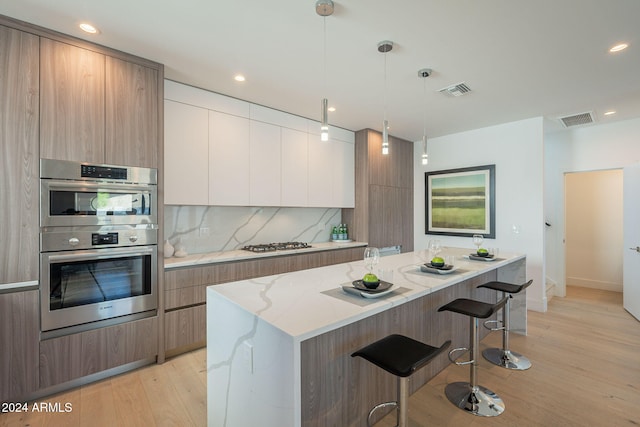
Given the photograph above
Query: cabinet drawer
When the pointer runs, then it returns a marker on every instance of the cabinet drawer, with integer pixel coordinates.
(185, 327)
(184, 297)
(73, 356)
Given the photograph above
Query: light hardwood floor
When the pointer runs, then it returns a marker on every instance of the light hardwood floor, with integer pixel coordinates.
(586, 372)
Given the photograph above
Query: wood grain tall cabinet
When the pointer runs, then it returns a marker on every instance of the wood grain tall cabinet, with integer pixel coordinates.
(19, 196)
(383, 213)
(69, 99)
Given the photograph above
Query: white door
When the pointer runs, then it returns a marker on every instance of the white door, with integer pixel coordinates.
(631, 275)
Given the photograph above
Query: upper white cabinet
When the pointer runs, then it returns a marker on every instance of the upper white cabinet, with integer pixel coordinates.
(265, 161)
(321, 159)
(228, 160)
(186, 152)
(331, 174)
(331, 167)
(254, 155)
(294, 182)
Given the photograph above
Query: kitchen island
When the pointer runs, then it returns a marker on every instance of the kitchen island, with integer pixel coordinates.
(278, 347)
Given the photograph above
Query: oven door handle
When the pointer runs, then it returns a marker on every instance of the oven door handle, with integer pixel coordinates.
(100, 254)
(111, 187)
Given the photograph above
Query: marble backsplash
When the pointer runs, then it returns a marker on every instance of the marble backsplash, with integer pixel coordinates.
(203, 229)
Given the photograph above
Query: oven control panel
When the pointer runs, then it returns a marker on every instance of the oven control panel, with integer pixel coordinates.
(96, 171)
(54, 239)
(104, 239)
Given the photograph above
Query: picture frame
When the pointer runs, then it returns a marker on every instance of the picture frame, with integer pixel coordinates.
(461, 202)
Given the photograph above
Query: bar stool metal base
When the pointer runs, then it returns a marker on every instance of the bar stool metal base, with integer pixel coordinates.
(474, 400)
(507, 359)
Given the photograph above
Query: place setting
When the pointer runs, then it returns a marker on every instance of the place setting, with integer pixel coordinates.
(371, 286)
(482, 254)
(438, 264)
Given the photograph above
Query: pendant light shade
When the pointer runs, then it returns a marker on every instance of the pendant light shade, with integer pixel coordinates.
(385, 137)
(425, 156)
(324, 8)
(324, 126)
(384, 47)
(424, 73)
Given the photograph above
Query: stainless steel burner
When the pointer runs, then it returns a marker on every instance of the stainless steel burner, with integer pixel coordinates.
(269, 247)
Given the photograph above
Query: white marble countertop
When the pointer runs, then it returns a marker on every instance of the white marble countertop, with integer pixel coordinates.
(240, 255)
(307, 303)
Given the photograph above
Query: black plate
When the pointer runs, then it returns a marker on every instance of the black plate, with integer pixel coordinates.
(383, 286)
(444, 267)
(480, 258)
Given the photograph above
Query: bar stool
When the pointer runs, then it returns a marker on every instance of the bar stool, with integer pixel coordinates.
(504, 356)
(469, 396)
(400, 356)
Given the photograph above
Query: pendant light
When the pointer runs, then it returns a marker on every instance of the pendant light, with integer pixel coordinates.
(324, 8)
(424, 73)
(384, 47)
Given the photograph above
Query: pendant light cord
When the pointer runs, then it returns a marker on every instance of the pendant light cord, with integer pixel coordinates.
(384, 96)
(324, 53)
(424, 122)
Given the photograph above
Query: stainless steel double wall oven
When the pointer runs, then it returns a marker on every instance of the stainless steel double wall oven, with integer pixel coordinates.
(98, 244)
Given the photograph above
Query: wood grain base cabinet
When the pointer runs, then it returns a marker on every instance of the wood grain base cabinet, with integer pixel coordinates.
(74, 356)
(329, 373)
(185, 289)
(185, 327)
(19, 336)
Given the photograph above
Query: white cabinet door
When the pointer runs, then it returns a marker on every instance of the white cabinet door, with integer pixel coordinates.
(186, 153)
(331, 173)
(264, 161)
(344, 175)
(321, 155)
(228, 159)
(295, 168)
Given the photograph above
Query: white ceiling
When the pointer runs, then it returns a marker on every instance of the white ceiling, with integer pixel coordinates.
(521, 58)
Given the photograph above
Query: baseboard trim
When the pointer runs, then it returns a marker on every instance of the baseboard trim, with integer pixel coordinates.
(537, 305)
(594, 284)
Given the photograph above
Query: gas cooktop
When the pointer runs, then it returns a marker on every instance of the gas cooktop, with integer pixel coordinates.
(269, 247)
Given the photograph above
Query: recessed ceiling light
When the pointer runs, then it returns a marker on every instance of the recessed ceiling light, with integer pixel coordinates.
(88, 28)
(239, 78)
(610, 113)
(618, 47)
(331, 109)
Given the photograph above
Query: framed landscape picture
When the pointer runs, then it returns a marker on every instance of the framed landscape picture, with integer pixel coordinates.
(461, 202)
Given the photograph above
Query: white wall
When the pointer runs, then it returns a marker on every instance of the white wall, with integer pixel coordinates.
(594, 229)
(517, 151)
(595, 147)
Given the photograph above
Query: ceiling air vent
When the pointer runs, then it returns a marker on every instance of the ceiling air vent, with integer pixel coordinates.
(577, 119)
(456, 90)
